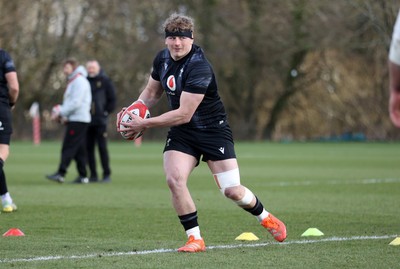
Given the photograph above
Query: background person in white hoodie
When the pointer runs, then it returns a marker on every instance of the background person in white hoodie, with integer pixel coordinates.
(74, 112)
(394, 74)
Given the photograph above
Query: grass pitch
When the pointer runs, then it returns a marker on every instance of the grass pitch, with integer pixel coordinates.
(349, 191)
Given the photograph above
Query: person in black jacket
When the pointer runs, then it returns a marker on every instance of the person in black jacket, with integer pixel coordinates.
(103, 103)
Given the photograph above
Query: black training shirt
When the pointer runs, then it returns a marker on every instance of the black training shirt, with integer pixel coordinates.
(192, 74)
(6, 66)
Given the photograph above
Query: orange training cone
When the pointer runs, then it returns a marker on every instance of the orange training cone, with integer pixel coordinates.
(14, 232)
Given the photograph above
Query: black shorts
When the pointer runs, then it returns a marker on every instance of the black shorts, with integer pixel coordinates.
(212, 144)
(5, 124)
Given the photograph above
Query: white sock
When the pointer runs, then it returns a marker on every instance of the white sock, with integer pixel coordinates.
(195, 231)
(263, 215)
(6, 198)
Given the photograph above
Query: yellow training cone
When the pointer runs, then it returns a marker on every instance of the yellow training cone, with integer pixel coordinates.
(312, 232)
(395, 242)
(247, 237)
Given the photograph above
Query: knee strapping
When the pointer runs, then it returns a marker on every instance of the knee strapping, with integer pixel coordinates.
(247, 198)
(227, 179)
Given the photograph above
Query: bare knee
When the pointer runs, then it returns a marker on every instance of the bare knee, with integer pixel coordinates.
(175, 183)
(235, 193)
(241, 195)
(4, 151)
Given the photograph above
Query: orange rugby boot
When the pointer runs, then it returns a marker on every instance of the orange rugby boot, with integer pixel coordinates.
(275, 227)
(193, 245)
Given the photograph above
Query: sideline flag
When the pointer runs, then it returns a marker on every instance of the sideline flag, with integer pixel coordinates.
(35, 115)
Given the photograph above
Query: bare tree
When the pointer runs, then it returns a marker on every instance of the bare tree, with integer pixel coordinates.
(286, 69)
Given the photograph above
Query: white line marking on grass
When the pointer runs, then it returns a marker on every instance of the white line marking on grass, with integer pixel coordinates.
(158, 251)
(302, 242)
(335, 182)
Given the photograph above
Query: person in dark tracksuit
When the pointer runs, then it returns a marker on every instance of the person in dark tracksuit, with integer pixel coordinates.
(74, 112)
(103, 103)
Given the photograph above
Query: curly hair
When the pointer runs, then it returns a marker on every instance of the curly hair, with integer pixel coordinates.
(178, 23)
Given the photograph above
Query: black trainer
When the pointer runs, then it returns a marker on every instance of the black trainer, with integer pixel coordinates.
(106, 179)
(93, 180)
(57, 177)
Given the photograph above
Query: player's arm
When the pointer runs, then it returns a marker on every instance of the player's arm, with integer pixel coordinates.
(13, 87)
(188, 105)
(150, 96)
(394, 100)
(152, 93)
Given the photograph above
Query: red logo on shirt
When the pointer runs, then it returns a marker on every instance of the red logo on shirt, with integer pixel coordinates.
(171, 83)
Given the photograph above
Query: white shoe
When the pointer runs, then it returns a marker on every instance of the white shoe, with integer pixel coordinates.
(9, 207)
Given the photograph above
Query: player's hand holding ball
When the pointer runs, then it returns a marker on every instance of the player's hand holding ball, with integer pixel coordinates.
(129, 120)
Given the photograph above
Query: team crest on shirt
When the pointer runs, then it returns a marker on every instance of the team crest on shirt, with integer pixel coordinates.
(10, 64)
(171, 83)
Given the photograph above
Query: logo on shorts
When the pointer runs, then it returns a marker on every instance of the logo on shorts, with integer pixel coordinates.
(222, 149)
(1, 126)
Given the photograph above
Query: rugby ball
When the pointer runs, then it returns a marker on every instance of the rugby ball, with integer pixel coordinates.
(138, 108)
